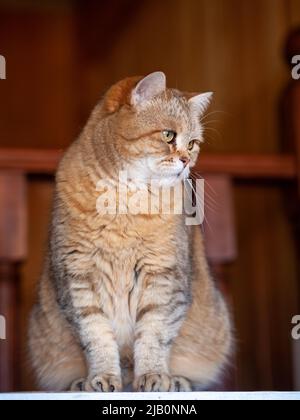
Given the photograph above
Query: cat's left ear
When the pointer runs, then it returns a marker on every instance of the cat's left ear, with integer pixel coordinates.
(200, 103)
(149, 87)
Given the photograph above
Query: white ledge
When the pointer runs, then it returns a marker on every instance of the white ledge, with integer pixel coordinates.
(153, 396)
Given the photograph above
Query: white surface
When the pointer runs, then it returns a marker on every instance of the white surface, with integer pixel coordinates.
(148, 396)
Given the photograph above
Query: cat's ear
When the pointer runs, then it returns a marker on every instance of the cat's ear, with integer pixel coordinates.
(119, 94)
(200, 103)
(149, 87)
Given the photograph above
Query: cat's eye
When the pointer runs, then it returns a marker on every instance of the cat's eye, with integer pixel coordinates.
(169, 136)
(191, 145)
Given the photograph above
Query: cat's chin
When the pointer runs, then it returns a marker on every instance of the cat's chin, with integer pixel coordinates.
(174, 179)
(144, 173)
(170, 181)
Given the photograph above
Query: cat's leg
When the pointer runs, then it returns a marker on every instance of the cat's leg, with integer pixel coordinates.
(160, 314)
(203, 347)
(96, 337)
(58, 357)
(69, 326)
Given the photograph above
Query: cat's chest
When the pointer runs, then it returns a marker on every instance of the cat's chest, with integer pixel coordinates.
(119, 295)
(124, 317)
(126, 234)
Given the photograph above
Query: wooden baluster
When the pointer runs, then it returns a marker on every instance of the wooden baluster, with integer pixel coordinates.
(219, 229)
(221, 247)
(12, 252)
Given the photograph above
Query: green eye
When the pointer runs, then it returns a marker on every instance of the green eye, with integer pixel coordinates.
(169, 136)
(191, 145)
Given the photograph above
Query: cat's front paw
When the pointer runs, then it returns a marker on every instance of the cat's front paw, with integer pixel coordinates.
(153, 382)
(99, 383)
(180, 384)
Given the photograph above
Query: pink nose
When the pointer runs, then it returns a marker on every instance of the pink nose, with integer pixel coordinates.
(185, 160)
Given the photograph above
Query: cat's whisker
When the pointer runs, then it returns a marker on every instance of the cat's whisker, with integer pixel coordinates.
(209, 122)
(211, 191)
(214, 130)
(196, 173)
(209, 201)
(202, 210)
(211, 113)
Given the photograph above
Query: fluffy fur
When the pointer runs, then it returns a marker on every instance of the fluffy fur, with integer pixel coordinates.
(128, 298)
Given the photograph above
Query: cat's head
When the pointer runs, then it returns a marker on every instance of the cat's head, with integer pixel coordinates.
(158, 130)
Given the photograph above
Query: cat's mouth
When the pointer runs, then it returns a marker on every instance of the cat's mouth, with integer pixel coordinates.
(174, 169)
(159, 171)
(181, 173)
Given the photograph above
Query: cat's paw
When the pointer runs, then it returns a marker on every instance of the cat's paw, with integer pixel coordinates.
(153, 382)
(180, 384)
(99, 383)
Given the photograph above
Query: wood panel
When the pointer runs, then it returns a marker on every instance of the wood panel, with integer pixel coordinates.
(38, 103)
(293, 7)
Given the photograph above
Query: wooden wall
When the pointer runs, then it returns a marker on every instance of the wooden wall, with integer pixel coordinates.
(59, 61)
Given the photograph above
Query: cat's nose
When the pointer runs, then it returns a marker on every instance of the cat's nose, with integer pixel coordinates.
(185, 160)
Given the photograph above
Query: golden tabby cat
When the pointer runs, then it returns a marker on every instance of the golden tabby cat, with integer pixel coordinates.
(128, 297)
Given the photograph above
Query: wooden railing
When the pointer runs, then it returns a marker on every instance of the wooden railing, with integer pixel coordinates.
(268, 166)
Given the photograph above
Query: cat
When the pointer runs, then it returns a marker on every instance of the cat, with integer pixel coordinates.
(128, 298)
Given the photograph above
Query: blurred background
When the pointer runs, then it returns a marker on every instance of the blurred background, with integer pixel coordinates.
(63, 54)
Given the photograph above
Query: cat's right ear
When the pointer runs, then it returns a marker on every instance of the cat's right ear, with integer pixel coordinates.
(149, 87)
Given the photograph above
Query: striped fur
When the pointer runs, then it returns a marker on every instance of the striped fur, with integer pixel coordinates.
(126, 298)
